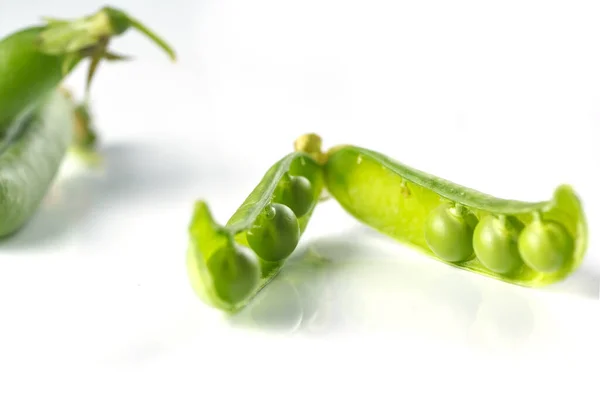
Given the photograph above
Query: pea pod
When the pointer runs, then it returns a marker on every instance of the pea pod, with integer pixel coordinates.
(35, 60)
(30, 159)
(229, 264)
(38, 120)
(530, 244)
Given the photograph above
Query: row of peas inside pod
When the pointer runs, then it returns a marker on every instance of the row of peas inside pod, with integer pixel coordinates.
(276, 232)
(231, 263)
(504, 244)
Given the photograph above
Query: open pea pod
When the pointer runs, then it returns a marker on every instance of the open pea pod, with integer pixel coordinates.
(530, 244)
(229, 264)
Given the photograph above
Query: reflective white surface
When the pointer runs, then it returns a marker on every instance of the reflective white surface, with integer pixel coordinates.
(94, 298)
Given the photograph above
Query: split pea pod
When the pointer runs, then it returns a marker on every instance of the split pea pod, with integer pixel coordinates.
(530, 244)
(36, 59)
(229, 264)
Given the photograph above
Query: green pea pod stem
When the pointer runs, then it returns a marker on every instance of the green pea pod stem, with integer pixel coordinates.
(35, 60)
(531, 244)
(229, 264)
(30, 160)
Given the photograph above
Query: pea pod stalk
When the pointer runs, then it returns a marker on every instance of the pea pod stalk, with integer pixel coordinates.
(35, 60)
(531, 244)
(229, 264)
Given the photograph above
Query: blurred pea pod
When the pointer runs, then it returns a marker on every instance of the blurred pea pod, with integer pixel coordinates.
(38, 120)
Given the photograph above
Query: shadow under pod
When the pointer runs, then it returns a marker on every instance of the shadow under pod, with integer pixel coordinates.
(585, 282)
(130, 172)
(353, 283)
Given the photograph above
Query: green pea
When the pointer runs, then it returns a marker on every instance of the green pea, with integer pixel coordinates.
(296, 192)
(275, 234)
(496, 243)
(235, 272)
(545, 246)
(449, 232)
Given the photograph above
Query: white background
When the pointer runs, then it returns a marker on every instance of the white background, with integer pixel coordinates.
(500, 96)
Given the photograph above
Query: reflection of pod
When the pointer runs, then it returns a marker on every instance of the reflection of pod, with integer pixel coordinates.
(373, 188)
(503, 321)
(278, 307)
(264, 223)
(311, 282)
(457, 298)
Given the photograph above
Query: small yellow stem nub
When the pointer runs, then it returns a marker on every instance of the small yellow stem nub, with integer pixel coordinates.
(311, 144)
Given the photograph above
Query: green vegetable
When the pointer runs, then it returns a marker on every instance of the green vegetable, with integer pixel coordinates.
(496, 243)
(222, 261)
(525, 243)
(275, 233)
(449, 232)
(30, 158)
(39, 121)
(296, 192)
(35, 60)
(234, 271)
(545, 246)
